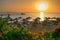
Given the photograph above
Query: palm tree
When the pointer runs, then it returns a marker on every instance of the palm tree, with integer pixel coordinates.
(46, 19)
(16, 19)
(19, 18)
(36, 22)
(28, 18)
(49, 18)
(58, 20)
(53, 18)
(8, 16)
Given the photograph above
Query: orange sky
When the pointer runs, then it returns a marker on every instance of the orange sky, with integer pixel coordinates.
(28, 5)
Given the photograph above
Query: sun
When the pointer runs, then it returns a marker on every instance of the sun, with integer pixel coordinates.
(42, 6)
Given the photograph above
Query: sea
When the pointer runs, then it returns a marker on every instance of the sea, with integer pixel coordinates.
(33, 15)
(29, 14)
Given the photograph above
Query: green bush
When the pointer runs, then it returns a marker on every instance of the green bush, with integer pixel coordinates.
(18, 32)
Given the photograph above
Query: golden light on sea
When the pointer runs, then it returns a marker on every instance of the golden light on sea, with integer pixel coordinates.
(42, 16)
(42, 6)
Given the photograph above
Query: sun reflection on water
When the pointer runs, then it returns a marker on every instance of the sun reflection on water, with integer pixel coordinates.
(42, 16)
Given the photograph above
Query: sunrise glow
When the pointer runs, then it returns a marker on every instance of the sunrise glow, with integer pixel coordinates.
(42, 6)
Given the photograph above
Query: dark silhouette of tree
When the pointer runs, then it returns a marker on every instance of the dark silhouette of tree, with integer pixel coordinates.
(19, 18)
(36, 22)
(28, 18)
(16, 19)
(8, 16)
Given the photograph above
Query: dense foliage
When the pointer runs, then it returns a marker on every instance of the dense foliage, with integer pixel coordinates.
(18, 32)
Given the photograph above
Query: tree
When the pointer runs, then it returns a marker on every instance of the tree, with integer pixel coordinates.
(36, 22)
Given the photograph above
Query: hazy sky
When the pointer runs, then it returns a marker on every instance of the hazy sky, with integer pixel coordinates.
(28, 5)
